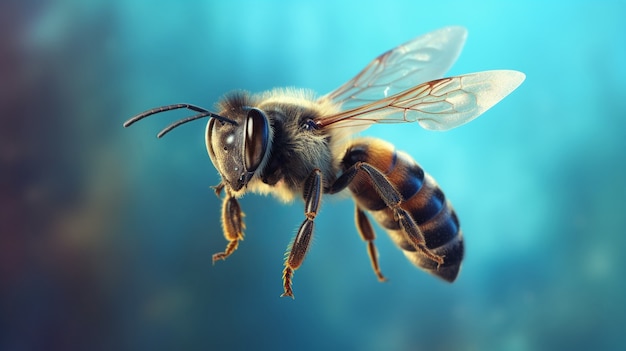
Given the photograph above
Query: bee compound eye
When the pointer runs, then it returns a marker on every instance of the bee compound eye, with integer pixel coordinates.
(208, 139)
(256, 138)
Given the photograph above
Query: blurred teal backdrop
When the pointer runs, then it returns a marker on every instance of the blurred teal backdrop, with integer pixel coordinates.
(107, 233)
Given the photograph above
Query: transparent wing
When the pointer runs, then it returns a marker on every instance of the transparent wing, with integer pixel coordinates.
(420, 60)
(440, 104)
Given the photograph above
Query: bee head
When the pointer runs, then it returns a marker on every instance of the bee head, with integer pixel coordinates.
(239, 150)
(237, 144)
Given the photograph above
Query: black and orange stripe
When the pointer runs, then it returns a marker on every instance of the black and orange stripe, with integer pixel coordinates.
(422, 199)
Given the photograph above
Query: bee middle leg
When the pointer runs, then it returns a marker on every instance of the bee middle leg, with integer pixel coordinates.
(297, 250)
(232, 224)
(392, 199)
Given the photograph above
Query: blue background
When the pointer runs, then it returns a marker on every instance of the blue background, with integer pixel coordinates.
(107, 233)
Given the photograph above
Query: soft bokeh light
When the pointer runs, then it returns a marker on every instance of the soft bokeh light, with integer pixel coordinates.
(106, 233)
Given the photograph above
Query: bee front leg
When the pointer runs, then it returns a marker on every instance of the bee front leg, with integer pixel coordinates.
(300, 245)
(232, 224)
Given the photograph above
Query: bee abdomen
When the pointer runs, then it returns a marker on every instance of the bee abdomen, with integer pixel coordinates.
(430, 210)
(424, 201)
(439, 224)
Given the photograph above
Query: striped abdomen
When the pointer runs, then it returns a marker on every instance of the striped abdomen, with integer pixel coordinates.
(422, 198)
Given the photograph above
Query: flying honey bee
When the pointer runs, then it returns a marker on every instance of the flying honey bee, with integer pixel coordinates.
(288, 143)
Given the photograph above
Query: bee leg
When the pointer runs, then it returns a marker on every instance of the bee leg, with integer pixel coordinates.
(392, 199)
(232, 224)
(218, 189)
(297, 250)
(367, 234)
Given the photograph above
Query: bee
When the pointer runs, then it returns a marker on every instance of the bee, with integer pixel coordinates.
(288, 143)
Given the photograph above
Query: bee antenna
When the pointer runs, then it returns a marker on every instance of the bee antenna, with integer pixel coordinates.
(203, 113)
(193, 118)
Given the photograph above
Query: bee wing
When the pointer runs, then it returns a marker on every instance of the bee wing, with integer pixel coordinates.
(440, 104)
(420, 60)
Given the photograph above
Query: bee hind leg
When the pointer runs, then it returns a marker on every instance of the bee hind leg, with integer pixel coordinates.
(232, 224)
(392, 199)
(367, 234)
(299, 246)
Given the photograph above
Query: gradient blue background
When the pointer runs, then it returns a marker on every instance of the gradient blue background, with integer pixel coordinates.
(107, 233)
